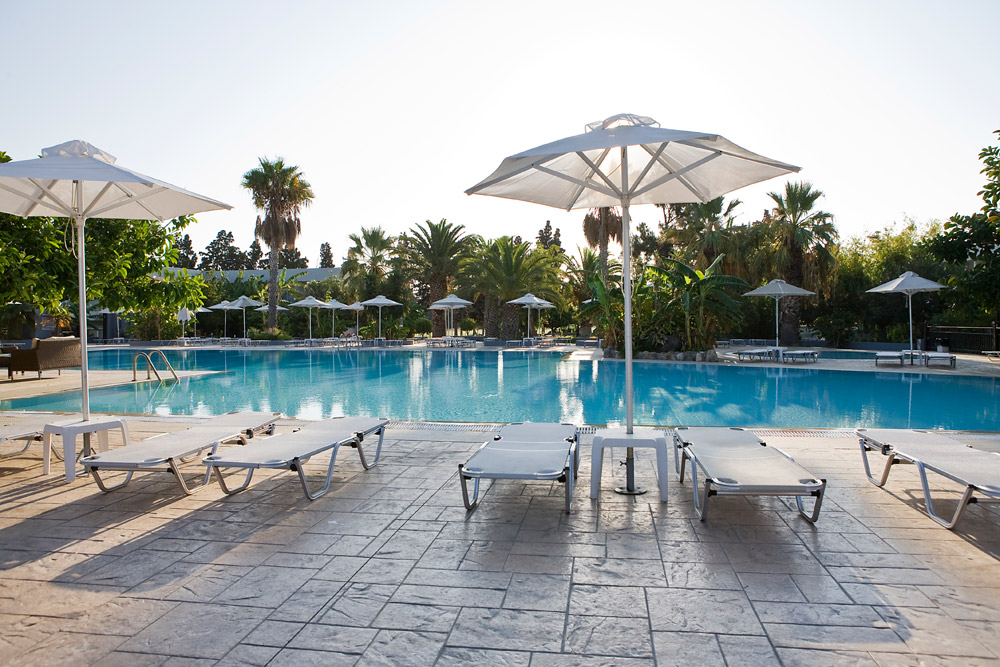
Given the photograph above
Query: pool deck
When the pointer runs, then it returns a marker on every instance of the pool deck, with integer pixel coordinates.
(389, 569)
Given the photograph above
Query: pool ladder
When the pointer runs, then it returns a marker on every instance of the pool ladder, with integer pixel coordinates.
(150, 366)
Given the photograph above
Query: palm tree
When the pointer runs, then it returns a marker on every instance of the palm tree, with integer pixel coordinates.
(504, 270)
(804, 243)
(435, 252)
(280, 192)
(705, 231)
(368, 262)
(704, 298)
(600, 226)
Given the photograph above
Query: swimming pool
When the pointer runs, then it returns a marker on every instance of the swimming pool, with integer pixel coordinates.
(501, 386)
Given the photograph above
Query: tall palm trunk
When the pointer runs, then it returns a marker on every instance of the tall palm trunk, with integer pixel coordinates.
(604, 257)
(272, 291)
(511, 321)
(791, 307)
(491, 318)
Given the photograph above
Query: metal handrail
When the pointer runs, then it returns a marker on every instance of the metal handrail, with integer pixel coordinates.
(150, 366)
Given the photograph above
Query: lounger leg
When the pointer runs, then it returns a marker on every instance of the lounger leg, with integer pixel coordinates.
(103, 487)
(297, 465)
(361, 452)
(811, 518)
(703, 510)
(180, 479)
(889, 459)
(569, 488)
(27, 443)
(222, 481)
(469, 505)
(962, 504)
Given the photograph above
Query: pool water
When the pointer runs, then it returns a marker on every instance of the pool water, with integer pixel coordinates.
(503, 386)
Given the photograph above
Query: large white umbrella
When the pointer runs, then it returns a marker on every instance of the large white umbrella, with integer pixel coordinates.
(309, 302)
(79, 181)
(224, 307)
(624, 160)
(381, 302)
(243, 303)
(334, 306)
(909, 284)
(529, 301)
(778, 289)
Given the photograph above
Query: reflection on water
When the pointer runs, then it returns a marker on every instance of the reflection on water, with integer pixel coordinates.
(499, 386)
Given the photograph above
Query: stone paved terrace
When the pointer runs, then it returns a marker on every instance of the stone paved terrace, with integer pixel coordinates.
(389, 569)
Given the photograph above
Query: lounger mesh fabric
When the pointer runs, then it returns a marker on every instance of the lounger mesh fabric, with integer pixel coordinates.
(975, 469)
(527, 451)
(736, 462)
(165, 452)
(22, 431)
(292, 450)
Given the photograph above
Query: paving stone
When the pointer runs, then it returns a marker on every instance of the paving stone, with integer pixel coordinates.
(307, 601)
(608, 601)
(196, 630)
(796, 657)
(965, 602)
(695, 610)
(416, 617)
(618, 572)
(255, 656)
(756, 651)
(928, 631)
(687, 648)
(453, 596)
(290, 657)
(70, 648)
(336, 638)
(837, 638)
(771, 587)
(273, 633)
(576, 660)
(819, 614)
(508, 629)
(358, 605)
(400, 647)
(609, 635)
(383, 571)
(265, 586)
(461, 657)
(540, 592)
(701, 575)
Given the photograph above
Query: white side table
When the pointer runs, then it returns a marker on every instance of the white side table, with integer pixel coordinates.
(619, 438)
(69, 429)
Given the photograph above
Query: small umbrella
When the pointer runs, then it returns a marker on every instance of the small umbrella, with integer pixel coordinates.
(778, 289)
(80, 181)
(450, 303)
(381, 302)
(334, 305)
(545, 305)
(624, 160)
(357, 307)
(909, 284)
(309, 302)
(243, 303)
(529, 301)
(183, 315)
(224, 307)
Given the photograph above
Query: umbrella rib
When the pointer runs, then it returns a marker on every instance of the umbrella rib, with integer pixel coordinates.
(583, 189)
(37, 199)
(499, 179)
(604, 177)
(765, 162)
(655, 158)
(577, 181)
(685, 182)
(93, 203)
(677, 174)
(130, 197)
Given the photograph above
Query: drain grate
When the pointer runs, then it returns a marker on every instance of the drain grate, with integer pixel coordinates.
(803, 433)
(444, 426)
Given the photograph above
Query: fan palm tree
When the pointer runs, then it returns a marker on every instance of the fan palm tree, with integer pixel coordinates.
(504, 270)
(368, 262)
(705, 231)
(280, 192)
(804, 243)
(600, 226)
(435, 252)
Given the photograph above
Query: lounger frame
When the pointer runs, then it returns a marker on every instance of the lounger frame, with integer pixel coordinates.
(687, 451)
(28, 434)
(169, 464)
(215, 462)
(567, 475)
(894, 456)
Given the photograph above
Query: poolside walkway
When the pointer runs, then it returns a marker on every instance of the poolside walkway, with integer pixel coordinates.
(389, 569)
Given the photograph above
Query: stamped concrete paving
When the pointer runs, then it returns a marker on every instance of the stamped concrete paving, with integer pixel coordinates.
(389, 569)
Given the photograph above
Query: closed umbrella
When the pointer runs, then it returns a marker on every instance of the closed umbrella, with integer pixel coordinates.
(381, 302)
(909, 284)
(621, 161)
(309, 302)
(79, 181)
(183, 315)
(778, 289)
(334, 306)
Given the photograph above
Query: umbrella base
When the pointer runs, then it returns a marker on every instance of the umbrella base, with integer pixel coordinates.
(625, 491)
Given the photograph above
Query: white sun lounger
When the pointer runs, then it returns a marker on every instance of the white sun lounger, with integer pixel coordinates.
(164, 453)
(29, 432)
(889, 356)
(734, 461)
(292, 450)
(977, 470)
(527, 451)
(939, 357)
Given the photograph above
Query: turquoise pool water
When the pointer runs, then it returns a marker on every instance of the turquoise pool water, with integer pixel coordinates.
(498, 386)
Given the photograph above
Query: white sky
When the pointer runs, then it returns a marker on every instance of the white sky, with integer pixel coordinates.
(393, 109)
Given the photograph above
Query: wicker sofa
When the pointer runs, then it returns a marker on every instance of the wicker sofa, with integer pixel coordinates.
(44, 354)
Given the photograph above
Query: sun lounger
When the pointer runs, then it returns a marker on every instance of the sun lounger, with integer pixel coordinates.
(527, 451)
(977, 470)
(292, 450)
(886, 357)
(734, 461)
(753, 353)
(29, 432)
(939, 357)
(992, 355)
(164, 453)
(800, 355)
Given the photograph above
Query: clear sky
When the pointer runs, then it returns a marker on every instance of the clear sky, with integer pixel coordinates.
(393, 109)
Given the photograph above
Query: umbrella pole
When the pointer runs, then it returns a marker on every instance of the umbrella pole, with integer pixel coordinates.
(909, 307)
(777, 328)
(630, 488)
(81, 265)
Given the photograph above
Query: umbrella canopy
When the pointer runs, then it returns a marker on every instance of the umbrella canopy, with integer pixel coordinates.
(381, 302)
(909, 284)
(79, 181)
(264, 309)
(309, 302)
(450, 303)
(530, 301)
(183, 315)
(778, 289)
(242, 304)
(623, 160)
